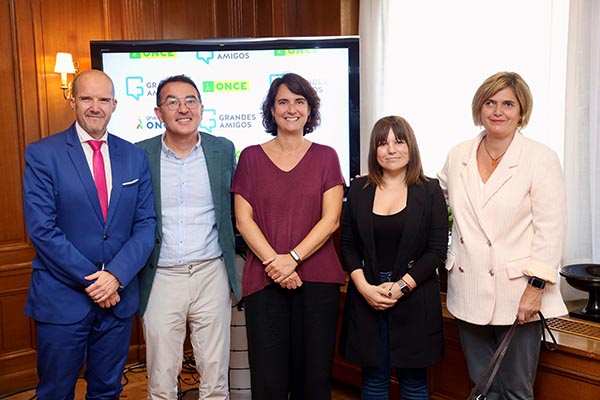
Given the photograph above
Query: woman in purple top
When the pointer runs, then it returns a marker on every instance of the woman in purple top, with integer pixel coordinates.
(288, 201)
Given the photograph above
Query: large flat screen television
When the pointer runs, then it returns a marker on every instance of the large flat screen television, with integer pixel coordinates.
(233, 76)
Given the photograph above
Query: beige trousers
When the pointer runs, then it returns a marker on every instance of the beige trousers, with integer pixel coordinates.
(197, 295)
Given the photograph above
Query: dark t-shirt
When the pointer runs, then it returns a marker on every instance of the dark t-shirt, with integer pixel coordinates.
(286, 206)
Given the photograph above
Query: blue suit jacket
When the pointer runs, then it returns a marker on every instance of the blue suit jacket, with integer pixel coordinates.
(220, 162)
(71, 239)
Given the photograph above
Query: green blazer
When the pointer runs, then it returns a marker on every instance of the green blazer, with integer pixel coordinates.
(220, 161)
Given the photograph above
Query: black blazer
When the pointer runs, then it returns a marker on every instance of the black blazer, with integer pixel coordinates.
(415, 322)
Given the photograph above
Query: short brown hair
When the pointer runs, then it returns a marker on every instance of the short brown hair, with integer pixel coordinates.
(496, 83)
(403, 131)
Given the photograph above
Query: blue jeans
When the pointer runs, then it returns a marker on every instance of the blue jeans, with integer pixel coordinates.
(376, 381)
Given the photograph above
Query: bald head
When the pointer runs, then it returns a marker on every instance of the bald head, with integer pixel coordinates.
(93, 101)
(95, 76)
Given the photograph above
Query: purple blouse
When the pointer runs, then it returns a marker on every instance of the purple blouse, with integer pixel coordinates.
(286, 206)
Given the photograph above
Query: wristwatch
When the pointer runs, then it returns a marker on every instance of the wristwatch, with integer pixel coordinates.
(404, 288)
(537, 283)
(295, 256)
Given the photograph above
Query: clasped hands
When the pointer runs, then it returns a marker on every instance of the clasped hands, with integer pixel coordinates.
(104, 290)
(382, 296)
(282, 269)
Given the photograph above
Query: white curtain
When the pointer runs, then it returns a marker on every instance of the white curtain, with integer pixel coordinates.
(424, 60)
(565, 83)
(372, 22)
(582, 136)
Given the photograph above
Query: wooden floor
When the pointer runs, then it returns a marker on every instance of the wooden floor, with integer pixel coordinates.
(134, 388)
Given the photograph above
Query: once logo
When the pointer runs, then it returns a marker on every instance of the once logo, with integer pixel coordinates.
(152, 122)
(154, 54)
(155, 125)
(226, 86)
(295, 52)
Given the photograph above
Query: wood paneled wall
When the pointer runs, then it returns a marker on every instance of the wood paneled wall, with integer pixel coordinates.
(32, 105)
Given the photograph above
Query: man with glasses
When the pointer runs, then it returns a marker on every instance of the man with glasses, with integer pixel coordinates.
(191, 272)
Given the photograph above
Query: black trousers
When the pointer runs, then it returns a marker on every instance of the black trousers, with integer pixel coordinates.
(291, 341)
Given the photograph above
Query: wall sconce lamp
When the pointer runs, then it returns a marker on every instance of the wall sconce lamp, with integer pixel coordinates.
(65, 65)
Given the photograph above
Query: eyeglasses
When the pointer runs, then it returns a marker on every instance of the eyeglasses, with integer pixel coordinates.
(173, 103)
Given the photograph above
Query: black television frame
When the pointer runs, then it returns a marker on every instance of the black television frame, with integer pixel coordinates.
(99, 47)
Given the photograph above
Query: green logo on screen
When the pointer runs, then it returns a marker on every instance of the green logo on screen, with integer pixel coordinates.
(225, 86)
(295, 52)
(155, 54)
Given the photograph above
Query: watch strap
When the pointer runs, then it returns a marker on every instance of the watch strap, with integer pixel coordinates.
(295, 256)
(404, 288)
(536, 282)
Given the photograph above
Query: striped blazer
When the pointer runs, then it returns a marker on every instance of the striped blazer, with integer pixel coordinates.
(504, 231)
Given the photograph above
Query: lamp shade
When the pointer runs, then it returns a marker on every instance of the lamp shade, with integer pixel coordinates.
(64, 63)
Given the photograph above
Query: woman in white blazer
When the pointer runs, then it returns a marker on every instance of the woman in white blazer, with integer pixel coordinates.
(506, 193)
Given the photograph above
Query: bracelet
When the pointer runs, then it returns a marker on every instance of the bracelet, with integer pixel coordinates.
(295, 256)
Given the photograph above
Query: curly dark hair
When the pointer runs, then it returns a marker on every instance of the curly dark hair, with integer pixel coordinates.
(297, 85)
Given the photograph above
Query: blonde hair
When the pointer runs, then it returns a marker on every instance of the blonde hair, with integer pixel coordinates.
(496, 83)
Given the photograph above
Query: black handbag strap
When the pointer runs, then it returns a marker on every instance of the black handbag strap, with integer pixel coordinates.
(546, 328)
(483, 385)
(487, 377)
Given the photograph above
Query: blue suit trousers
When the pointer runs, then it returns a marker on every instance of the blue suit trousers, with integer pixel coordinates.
(100, 342)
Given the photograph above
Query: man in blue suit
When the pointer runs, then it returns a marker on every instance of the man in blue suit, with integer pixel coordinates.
(191, 273)
(90, 244)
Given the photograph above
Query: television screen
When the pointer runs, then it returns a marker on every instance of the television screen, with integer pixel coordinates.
(233, 76)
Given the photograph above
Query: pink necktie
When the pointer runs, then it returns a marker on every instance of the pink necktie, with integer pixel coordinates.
(100, 175)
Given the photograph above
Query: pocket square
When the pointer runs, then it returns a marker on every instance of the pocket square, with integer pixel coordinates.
(130, 182)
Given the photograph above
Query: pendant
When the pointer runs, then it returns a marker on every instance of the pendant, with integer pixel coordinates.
(494, 163)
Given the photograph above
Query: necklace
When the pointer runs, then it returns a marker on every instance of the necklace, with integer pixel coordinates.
(496, 160)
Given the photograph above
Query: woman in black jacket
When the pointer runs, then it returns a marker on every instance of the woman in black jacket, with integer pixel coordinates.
(394, 237)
